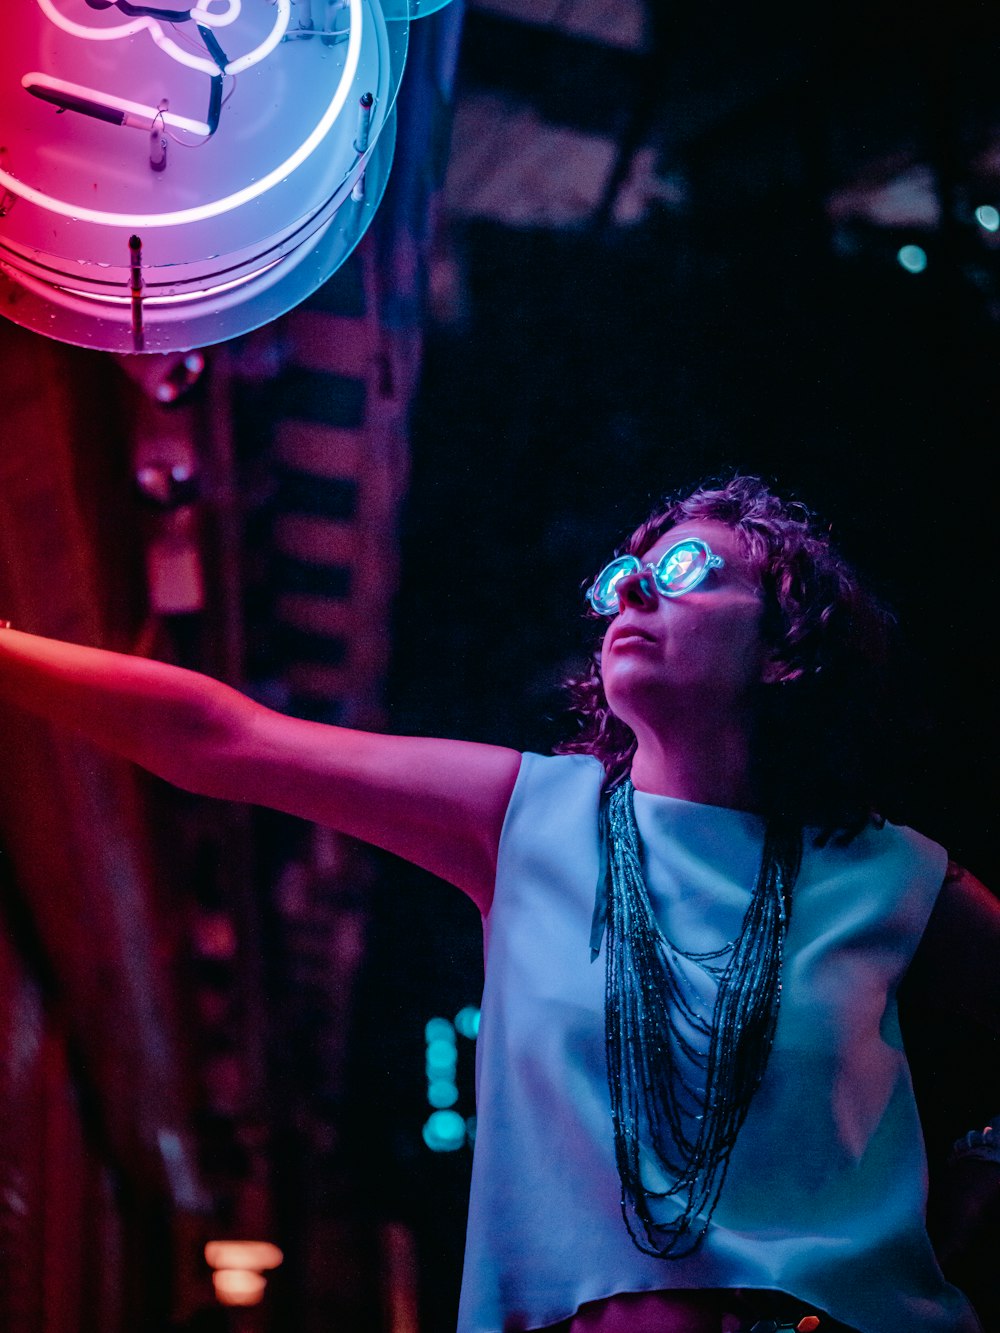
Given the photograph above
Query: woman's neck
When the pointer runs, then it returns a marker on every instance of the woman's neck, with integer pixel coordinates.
(709, 765)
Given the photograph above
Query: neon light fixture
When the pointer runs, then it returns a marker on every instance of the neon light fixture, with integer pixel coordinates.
(176, 173)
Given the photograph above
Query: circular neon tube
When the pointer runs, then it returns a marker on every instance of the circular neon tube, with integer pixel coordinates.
(231, 201)
(199, 14)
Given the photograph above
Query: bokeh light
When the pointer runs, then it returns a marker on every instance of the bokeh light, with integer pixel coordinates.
(912, 258)
(444, 1131)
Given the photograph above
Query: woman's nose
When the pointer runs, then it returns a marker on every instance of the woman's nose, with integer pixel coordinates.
(637, 589)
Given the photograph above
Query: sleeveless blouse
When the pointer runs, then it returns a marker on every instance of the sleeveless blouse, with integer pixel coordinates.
(826, 1189)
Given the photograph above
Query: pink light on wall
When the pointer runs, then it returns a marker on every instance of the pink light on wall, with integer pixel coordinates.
(176, 173)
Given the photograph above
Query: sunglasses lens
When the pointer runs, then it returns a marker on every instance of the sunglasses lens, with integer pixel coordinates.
(682, 567)
(603, 595)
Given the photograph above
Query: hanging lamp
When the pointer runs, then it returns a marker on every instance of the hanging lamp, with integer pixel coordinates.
(174, 174)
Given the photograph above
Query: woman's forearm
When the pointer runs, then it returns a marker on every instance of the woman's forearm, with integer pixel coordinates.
(155, 714)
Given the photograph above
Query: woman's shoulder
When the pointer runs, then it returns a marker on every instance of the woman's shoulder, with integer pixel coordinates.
(542, 771)
(883, 839)
(554, 792)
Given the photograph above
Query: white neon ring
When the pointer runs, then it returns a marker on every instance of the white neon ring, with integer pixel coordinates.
(168, 45)
(211, 20)
(204, 15)
(205, 66)
(220, 206)
(90, 34)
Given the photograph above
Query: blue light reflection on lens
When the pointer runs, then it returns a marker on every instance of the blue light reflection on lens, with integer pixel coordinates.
(988, 217)
(912, 258)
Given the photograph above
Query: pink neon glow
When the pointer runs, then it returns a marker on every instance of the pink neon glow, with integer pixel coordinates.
(215, 207)
(240, 185)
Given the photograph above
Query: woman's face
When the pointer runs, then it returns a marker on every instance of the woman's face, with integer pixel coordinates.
(703, 650)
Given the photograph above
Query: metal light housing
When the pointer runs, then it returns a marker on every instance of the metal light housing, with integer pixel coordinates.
(175, 174)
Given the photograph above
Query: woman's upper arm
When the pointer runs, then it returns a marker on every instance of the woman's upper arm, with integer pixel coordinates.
(957, 964)
(437, 803)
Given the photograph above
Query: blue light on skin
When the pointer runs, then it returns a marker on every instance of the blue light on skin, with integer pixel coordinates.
(444, 1131)
(988, 217)
(912, 258)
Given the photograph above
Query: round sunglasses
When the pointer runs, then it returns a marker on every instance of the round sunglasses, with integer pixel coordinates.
(679, 570)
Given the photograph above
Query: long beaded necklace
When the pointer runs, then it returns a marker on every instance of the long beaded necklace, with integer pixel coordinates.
(670, 1094)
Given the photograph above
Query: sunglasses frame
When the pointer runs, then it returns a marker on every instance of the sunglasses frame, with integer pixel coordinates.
(631, 564)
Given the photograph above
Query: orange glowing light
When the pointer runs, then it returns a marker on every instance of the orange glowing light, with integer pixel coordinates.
(237, 1286)
(251, 1256)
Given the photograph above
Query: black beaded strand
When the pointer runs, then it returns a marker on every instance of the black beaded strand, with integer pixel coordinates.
(668, 1092)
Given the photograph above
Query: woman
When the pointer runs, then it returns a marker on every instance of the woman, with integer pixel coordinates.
(694, 1107)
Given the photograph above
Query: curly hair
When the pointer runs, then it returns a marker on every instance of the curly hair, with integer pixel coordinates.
(818, 736)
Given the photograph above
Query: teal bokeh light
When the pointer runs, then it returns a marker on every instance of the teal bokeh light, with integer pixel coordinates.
(439, 1029)
(444, 1131)
(441, 1055)
(441, 1093)
(467, 1022)
(913, 258)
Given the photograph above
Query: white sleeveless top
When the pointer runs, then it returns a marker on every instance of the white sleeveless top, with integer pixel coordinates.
(826, 1188)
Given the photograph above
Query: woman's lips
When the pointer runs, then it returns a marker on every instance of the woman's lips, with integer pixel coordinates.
(628, 634)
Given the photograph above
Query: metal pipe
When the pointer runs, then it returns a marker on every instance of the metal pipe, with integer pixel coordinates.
(361, 140)
(135, 278)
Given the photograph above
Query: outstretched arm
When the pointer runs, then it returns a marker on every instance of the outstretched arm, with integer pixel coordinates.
(438, 803)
